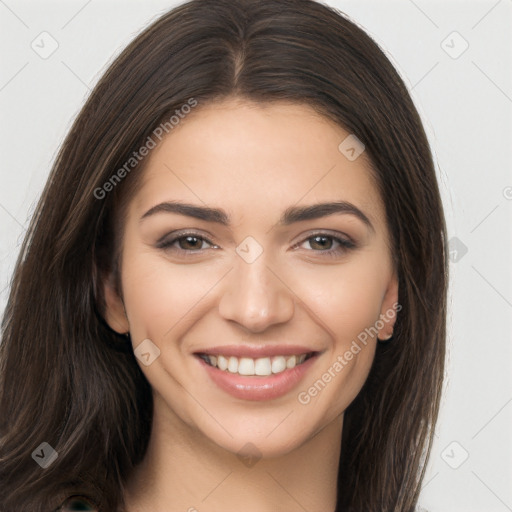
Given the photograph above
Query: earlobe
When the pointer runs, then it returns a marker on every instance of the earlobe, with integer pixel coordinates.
(115, 313)
(389, 310)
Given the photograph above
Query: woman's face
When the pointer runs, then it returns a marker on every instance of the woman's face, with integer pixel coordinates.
(228, 260)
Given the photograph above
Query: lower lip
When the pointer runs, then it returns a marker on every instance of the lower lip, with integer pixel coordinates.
(258, 387)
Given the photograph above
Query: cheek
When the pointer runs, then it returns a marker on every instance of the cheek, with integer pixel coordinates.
(347, 298)
(160, 295)
(163, 302)
(347, 301)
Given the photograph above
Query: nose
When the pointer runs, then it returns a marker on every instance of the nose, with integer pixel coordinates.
(256, 297)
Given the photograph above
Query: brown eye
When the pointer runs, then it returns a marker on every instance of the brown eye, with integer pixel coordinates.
(328, 245)
(185, 244)
(190, 243)
(321, 242)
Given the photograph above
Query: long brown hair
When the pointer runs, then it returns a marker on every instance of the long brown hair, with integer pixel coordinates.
(67, 379)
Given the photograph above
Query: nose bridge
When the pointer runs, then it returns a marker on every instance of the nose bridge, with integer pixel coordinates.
(254, 297)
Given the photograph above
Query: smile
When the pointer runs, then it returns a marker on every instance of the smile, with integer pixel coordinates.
(262, 366)
(256, 372)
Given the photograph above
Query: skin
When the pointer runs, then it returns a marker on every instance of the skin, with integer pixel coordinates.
(253, 161)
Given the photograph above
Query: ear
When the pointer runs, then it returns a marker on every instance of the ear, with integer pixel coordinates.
(115, 313)
(389, 309)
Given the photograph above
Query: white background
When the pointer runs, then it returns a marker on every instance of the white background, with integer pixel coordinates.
(466, 104)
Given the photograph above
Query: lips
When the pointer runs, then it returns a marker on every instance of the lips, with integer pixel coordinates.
(256, 351)
(256, 373)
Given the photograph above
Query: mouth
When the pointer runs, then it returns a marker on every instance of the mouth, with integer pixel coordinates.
(261, 366)
(256, 373)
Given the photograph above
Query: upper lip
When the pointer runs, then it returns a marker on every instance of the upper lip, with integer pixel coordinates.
(256, 351)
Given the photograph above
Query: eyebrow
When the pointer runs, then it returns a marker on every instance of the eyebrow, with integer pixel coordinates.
(290, 215)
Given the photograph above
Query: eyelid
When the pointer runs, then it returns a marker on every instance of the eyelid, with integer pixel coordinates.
(191, 232)
(169, 238)
(330, 233)
(345, 243)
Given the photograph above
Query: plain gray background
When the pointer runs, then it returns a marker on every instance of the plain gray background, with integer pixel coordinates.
(455, 57)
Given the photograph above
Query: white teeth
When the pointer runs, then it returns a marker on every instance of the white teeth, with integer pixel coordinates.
(278, 364)
(222, 363)
(233, 365)
(246, 366)
(290, 362)
(263, 366)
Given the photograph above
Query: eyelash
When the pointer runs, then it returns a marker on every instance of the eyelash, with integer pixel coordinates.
(344, 244)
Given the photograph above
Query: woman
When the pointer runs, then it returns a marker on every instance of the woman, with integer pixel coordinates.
(232, 294)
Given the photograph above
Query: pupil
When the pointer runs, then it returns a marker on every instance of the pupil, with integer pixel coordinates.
(322, 244)
(190, 240)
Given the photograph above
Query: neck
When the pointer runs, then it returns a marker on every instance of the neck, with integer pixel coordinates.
(185, 471)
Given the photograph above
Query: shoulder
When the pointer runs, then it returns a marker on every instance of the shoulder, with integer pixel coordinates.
(76, 503)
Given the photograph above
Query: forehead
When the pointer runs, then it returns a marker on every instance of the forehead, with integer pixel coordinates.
(255, 160)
